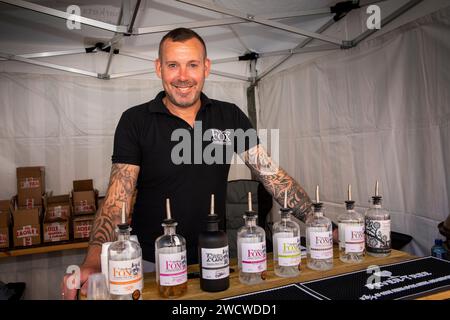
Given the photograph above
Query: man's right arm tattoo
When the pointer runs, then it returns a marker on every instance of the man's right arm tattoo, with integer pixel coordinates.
(121, 187)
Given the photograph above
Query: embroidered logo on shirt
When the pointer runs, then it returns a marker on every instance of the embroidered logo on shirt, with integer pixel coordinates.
(221, 137)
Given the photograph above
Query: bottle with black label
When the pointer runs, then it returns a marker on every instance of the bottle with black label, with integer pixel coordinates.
(213, 255)
(170, 260)
(378, 228)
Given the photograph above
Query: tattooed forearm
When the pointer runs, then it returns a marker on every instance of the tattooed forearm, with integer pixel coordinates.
(277, 182)
(121, 187)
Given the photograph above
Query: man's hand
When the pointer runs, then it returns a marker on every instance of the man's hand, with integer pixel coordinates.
(68, 292)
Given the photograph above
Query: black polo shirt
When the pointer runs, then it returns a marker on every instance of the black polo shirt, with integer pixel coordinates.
(180, 163)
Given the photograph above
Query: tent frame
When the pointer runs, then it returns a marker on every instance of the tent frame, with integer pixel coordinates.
(236, 17)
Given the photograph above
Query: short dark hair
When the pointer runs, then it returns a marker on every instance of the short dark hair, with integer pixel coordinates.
(181, 35)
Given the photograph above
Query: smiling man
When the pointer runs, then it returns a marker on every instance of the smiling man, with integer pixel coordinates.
(143, 157)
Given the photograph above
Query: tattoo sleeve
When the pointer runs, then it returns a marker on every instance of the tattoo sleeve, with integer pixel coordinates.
(121, 187)
(277, 181)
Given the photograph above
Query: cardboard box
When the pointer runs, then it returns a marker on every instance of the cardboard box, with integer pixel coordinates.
(5, 221)
(57, 208)
(26, 230)
(30, 186)
(56, 231)
(84, 197)
(82, 226)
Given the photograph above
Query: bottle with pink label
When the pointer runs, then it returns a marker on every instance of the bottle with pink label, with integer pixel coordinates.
(251, 245)
(170, 260)
(319, 239)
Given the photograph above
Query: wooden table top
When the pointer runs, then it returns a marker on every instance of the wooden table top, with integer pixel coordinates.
(194, 292)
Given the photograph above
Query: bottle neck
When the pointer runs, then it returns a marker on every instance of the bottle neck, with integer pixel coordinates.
(123, 235)
(211, 227)
(169, 230)
(318, 214)
(285, 216)
(250, 221)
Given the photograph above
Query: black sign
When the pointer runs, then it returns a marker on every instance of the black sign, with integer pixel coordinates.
(405, 280)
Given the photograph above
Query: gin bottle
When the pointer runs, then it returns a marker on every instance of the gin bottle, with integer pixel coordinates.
(319, 239)
(351, 233)
(213, 255)
(170, 260)
(378, 228)
(286, 244)
(251, 245)
(125, 265)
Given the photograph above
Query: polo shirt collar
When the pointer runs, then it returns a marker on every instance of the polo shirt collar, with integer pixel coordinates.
(157, 106)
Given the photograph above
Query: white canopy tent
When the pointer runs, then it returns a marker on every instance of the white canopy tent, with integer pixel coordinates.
(353, 105)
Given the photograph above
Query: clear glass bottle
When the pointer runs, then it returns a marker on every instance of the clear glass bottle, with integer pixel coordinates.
(378, 228)
(351, 233)
(319, 239)
(125, 265)
(251, 245)
(170, 260)
(286, 244)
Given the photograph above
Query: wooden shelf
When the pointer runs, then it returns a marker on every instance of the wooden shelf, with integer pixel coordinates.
(43, 249)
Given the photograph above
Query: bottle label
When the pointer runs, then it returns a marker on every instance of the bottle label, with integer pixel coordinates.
(321, 244)
(172, 268)
(354, 238)
(125, 276)
(378, 236)
(253, 257)
(215, 263)
(288, 250)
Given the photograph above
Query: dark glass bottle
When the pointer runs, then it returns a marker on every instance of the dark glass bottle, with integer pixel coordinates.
(213, 255)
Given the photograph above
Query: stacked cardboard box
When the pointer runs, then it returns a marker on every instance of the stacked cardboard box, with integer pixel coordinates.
(84, 200)
(57, 216)
(30, 186)
(28, 206)
(5, 220)
(27, 227)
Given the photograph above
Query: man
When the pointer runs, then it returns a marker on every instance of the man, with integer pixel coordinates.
(147, 156)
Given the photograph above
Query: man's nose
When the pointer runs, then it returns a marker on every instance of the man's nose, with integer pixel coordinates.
(182, 75)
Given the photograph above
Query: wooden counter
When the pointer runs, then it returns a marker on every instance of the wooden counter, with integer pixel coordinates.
(43, 249)
(236, 288)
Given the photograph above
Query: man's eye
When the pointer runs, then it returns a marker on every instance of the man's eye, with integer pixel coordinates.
(171, 65)
(193, 65)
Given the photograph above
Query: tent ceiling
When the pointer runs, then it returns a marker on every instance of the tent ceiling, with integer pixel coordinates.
(226, 26)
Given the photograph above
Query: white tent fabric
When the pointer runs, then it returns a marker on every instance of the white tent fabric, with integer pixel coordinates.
(377, 111)
(67, 123)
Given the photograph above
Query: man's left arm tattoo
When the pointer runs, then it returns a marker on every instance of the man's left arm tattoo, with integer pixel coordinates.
(278, 182)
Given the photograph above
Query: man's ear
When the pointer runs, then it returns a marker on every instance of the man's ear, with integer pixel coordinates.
(207, 67)
(158, 67)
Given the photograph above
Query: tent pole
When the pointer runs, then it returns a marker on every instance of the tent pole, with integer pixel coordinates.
(51, 53)
(65, 15)
(273, 24)
(285, 58)
(227, 21)
(48, 65)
